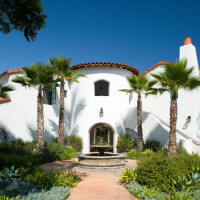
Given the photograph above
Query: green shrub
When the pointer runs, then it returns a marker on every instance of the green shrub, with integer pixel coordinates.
(55, 193)
(21, 154)
(133, 154)
(74, 141)
(159, 170)
(45, 180)
(59, 152)
(125, 143)
(152, 144)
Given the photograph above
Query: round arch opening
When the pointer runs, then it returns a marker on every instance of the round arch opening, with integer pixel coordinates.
(101, 134)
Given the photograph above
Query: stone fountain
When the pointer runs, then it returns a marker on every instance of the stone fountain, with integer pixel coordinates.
(101, 159)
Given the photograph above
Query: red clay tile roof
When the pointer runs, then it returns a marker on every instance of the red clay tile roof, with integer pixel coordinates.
(10, 72)
(158, 64)
(110, 64)
(3, 100)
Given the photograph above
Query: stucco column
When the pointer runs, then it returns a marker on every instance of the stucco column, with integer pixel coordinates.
(108, 136)
(94, 139)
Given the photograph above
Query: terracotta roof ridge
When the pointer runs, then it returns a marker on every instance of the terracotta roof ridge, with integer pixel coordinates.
(4, 100)
(89, 64)
(10, 71)
(156, 65)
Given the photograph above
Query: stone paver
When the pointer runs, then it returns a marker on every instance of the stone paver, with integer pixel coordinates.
(98, 184)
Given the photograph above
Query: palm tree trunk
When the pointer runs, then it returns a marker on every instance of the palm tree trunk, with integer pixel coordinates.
(61, 114)
(173, 119)
(140, 142)
(40, 123)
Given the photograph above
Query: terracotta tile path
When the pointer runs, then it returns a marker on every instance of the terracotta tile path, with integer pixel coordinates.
(96, 184)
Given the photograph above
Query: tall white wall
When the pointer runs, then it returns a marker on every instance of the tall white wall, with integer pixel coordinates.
(85, 106)
(19, 116)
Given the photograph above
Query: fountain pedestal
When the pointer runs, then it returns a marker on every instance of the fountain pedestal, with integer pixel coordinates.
(101, 148)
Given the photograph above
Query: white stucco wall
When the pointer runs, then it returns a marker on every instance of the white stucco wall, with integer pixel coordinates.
(85, 106)
(82, 108)
(19, 116)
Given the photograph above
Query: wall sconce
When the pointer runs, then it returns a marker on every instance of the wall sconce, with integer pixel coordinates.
(188, 119)
(101, 112)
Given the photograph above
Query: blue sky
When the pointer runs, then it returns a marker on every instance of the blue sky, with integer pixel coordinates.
(133, 32)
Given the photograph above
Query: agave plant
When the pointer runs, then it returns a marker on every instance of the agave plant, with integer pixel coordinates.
(9, 173)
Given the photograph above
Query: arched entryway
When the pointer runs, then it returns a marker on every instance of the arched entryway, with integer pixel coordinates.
(101, 134)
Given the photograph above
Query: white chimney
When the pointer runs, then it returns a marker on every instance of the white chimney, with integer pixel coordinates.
(188, 51)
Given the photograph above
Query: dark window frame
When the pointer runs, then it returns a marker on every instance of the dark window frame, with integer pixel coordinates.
(105, 85)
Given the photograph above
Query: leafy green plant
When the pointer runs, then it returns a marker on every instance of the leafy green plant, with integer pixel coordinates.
(75, 142)
(125, 143)
(147, 152)
(9, 173)
(133, 154)
(3, 197)
(46, 180)
(127, 176)
(175, 195)
(152, 144)
(59, 152)
(183, 183)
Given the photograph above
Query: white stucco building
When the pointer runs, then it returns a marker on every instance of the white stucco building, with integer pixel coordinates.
(96, 100)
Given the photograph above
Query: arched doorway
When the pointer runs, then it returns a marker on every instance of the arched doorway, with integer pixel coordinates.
(101, 134)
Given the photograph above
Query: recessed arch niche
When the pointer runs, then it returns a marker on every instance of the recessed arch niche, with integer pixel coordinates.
(101, 134)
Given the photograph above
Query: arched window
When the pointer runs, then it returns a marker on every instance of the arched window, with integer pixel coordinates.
(102, 88)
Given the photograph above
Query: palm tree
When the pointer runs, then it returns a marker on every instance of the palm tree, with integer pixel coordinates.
(174, 77)
(61, 66)
(140, 85)
(4, 90)
(39, 76)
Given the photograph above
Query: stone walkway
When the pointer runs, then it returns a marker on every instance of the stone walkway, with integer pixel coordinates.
(96, 184)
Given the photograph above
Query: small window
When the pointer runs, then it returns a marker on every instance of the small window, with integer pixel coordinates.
(49, 96)
(65, 93)
(53, 96)
(101, 88)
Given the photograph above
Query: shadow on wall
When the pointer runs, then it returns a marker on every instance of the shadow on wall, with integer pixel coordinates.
(33, 133)
(5, 133)
(152, 129)
(76, 108)
(71, 115)
(198, 125)
(159, 134)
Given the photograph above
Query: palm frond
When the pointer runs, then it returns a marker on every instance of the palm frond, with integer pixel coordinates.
(24, 81)
(126, 90)
(4, 89)
(177, 76)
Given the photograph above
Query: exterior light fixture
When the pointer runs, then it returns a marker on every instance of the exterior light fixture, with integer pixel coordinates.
(101, 112)
(189, 119)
